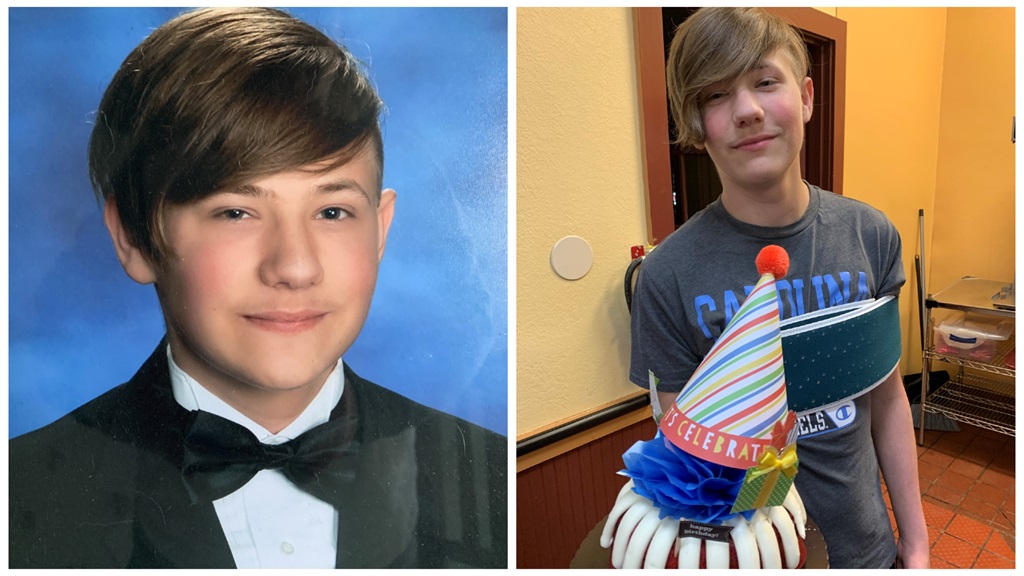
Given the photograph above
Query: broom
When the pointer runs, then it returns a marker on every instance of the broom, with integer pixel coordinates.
(932, 421)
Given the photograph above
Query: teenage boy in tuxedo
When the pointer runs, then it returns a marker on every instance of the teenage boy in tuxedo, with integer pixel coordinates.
(239, 158)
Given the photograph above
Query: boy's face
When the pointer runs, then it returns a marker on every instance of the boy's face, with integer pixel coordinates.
(754, 124)
(270, 283)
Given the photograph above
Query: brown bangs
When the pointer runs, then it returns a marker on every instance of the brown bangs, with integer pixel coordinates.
(719, 44)
(220, 97)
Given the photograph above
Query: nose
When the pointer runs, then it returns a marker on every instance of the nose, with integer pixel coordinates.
(747, 108)
(291, 259)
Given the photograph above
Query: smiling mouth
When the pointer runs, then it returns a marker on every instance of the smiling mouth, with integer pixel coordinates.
(755, 143)
(286, 322)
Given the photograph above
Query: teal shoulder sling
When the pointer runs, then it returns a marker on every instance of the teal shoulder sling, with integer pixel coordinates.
(834, 355)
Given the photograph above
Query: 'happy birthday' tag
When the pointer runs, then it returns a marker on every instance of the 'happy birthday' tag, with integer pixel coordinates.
(713, 532)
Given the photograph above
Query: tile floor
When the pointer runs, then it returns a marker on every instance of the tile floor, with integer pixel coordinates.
(967, 487)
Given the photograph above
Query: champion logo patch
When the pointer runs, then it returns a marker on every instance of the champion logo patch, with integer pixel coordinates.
(828, 420)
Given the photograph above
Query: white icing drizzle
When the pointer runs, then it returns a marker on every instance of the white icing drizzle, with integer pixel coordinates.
(662, 542)
(795, 505)
(767, 544)
(641, 537)
(716, 554)
(689, 553)
(747, 555)
(790, 545)
(623, 502)
(629, 522)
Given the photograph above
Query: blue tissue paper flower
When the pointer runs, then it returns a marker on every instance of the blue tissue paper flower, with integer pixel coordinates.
(681, 485)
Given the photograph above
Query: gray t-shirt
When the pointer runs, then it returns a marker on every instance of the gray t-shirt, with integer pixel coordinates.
(841, 250)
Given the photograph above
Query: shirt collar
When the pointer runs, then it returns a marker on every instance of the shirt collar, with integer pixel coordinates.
(191, 395)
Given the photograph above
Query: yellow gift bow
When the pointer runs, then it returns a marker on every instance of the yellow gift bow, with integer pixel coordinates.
(771, 461)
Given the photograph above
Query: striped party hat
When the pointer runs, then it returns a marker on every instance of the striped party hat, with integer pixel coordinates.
(734, 406)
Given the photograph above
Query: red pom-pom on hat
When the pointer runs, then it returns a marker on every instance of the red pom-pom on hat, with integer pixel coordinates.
(773, 260)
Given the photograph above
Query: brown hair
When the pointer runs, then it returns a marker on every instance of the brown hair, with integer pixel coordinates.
(215, 98)
(716, 44)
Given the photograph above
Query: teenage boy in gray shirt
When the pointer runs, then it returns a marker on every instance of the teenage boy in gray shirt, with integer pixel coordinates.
(738, 88)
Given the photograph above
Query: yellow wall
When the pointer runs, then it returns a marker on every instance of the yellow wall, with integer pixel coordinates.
(928, 108)
(930, 100)
(894, 69)
(974, 195)
(578, 172)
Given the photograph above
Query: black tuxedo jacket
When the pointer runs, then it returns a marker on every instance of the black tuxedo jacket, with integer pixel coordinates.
(101, 487)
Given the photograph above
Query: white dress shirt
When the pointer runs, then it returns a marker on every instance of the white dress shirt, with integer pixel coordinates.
(269, 523)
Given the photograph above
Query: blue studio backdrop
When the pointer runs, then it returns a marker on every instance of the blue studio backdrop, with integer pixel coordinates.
(437, 331)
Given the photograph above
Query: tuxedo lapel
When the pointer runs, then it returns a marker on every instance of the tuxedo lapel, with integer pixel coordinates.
(170, 531)
(378, 512)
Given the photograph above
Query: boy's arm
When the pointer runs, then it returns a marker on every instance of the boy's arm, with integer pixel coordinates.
(893, 432)
(666, 399)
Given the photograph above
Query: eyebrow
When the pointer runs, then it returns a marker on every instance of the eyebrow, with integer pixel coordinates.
(766, 66)
(340, 185)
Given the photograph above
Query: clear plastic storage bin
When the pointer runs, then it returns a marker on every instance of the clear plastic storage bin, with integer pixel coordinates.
(972, 337)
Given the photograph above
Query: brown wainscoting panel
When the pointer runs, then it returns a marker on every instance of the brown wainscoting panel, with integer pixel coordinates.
(560, 500)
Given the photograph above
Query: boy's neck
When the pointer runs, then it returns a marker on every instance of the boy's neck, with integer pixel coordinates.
(780, 204)
(274, 410)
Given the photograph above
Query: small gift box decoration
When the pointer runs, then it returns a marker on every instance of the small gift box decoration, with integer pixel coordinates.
(767, 483)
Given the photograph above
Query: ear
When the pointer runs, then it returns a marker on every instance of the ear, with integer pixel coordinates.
(134, 262)
(385, 212)
(807, 98)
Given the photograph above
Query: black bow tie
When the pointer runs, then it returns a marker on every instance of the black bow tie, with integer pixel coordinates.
(221, 456)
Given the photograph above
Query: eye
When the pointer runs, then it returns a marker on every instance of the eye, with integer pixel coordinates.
(233, 214)
(765, 82)
(713, 97)
(333, 213)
